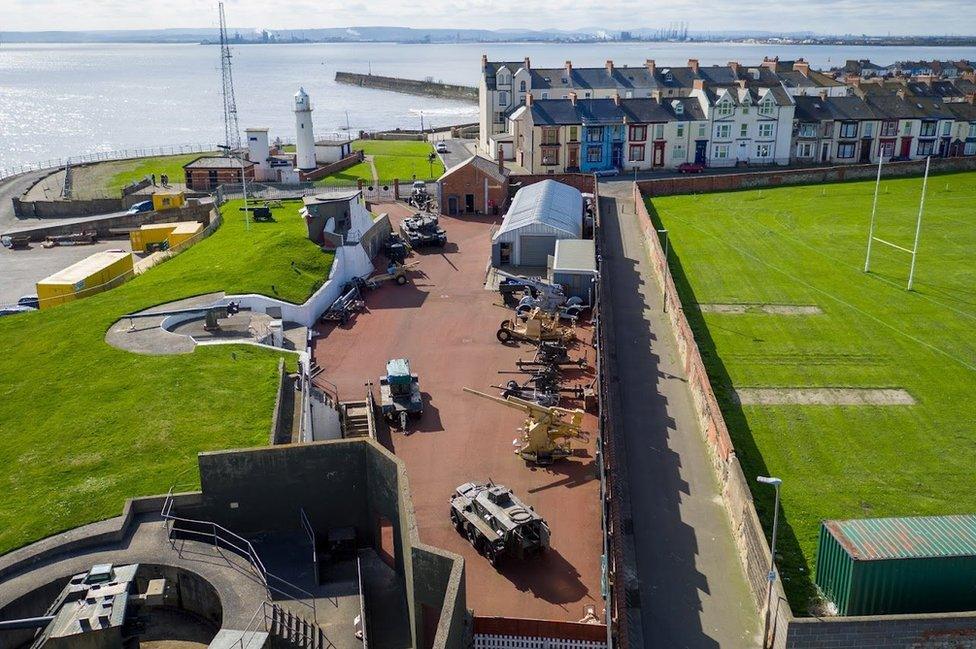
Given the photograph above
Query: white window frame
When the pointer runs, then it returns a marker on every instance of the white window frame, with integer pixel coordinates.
(766, 129)
(723, 131)
(721, 151)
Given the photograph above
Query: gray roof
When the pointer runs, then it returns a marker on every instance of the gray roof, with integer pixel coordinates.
(332, 197)
(575, 255)
(547, 202)
(217, 162)
(816, 109)
(556, 112)
(484, 165)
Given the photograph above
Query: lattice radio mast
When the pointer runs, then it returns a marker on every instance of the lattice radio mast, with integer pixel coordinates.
(232, 132)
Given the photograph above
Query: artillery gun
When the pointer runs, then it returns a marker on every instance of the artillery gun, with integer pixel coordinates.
(211, 314)
(547, 432)
(497, 523)
(419, 196)
(538, 326)
(537, 293)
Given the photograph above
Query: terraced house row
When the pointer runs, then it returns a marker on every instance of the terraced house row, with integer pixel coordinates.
(621, 119)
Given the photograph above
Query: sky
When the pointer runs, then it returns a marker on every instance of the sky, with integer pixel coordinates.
(876, 17)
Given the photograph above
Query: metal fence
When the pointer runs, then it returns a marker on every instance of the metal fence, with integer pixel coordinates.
(105, 156)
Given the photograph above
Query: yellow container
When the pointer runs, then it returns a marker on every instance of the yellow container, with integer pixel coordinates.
(154, 233)
(95, 274)
(168, 200)
(184, 231)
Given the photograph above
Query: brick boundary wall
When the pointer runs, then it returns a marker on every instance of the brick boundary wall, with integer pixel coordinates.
(586, 183)
(697, 184)
(321, 172)
(929, 631)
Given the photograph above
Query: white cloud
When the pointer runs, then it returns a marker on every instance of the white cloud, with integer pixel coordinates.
(828, 16)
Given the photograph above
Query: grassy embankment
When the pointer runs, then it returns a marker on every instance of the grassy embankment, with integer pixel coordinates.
(86, 425)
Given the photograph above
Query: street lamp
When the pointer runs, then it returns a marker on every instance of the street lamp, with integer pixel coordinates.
(231, 153)
(771, 575)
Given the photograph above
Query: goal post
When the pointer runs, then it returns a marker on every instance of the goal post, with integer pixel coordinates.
(913, 251)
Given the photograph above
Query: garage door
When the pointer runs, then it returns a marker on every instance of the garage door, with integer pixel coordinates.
(536, 250)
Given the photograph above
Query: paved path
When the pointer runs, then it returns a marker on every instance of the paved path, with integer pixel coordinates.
(12, 188)
(692, 592)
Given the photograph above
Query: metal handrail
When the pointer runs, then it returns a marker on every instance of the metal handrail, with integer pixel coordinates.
(307, 526)
(362, 601)
(246, 550)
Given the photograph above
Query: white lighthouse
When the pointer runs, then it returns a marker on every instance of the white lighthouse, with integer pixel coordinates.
(304, 139)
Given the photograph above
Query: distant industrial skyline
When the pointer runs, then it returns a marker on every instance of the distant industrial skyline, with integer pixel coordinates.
(874, 17)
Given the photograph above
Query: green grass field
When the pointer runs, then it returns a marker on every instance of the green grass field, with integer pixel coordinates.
(108, 178)
(86, 425)
(395, 159)
(350, 176)
(806, 246)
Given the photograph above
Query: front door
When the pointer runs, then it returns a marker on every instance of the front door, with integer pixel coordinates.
(824, 152)
(469, 203)
(452, 205)
(573, 162)
(700, 147)
(906, 147)
(743, 153)
(617, 155)
(865, 150)
(658, 160)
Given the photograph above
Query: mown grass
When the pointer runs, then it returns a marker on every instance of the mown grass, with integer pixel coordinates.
(108, 178)
(86, 425)
(349, 176)
(403, 160)
(806, 245)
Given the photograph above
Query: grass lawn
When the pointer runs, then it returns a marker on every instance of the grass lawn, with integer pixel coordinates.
(108, 178)
(806, 246)
(349, 176)
(395, 159)
(86, 425)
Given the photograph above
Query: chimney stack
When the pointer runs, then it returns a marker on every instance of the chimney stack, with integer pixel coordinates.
(693, 64)
(651, 66)
(501, 160)
(484, 62)
(656, 94)
(823, 95)
(802, 67)
(698, 84)
(569, 69)
(609, 67)
(770, 63)
(528, 99)
(742, 83)
(527, 64)
(616, 99)
(572, 98)
(735, 67)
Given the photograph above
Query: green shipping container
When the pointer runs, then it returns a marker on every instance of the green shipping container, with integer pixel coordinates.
(885, 566)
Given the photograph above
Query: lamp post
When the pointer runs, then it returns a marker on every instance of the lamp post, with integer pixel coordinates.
(247, 214)
(771, 576)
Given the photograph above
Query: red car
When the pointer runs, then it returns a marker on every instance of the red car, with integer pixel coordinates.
(691, 167)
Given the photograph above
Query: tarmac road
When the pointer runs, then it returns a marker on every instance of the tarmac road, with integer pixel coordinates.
(691, 589)
(12, 188)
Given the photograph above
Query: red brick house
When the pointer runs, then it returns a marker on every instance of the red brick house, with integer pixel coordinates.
(476, 186)
(206, 173)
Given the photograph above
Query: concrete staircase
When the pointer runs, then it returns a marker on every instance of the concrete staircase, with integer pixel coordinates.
(357, 419)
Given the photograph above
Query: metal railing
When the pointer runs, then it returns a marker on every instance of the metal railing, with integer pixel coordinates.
(104, 156)
(310, 533)
(362, 602)
(219, 536)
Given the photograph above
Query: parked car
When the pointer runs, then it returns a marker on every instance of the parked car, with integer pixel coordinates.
(144, 206)
(691, 168)
(29, 300)
(14, 310)
(441, 147)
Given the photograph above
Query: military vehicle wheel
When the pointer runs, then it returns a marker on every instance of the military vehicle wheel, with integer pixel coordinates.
(456, 521)
(493, 555)
(472, 536)
(401, 280)
(503, 335)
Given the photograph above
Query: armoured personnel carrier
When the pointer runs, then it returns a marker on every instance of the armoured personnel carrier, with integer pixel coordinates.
(497, 523)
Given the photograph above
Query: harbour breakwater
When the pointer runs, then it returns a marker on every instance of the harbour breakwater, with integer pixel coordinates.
(427, 88)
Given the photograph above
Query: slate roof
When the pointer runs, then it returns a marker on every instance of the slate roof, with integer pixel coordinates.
(962, 111)
(558, 112)
(548, 202)
(483, 165)
(816, 109)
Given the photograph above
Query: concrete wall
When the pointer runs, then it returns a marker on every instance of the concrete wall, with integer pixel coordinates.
(321, 172)
(104, 226)
(283, 408)
(66, 209)
(443, 588)
(409, 86)
(942, 631)
(694, 184)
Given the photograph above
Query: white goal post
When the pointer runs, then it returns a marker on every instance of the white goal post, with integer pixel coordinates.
(913, 251)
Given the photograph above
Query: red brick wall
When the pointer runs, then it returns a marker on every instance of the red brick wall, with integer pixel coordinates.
(199, 179)
(471, 180)
(586, 183)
